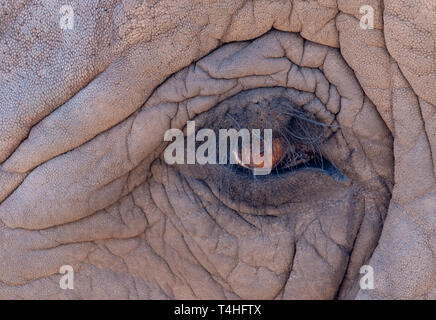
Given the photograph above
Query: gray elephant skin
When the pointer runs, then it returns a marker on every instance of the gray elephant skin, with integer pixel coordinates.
(85, 104)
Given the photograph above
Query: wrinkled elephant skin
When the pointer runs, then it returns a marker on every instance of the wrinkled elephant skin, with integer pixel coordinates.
(85, 103)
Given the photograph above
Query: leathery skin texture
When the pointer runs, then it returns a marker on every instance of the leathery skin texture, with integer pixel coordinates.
(83, 181)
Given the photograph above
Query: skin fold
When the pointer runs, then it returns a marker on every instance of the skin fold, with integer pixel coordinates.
(83, 182)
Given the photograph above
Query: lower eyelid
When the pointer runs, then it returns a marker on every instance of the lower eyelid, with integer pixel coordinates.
(274, 191)
(266, 197)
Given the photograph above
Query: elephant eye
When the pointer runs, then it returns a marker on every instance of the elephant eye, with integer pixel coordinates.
(298, 148)
(294, 147)
(298, 138)
(276, 152)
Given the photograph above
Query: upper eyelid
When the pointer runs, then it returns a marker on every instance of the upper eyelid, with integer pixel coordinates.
(200, 86)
